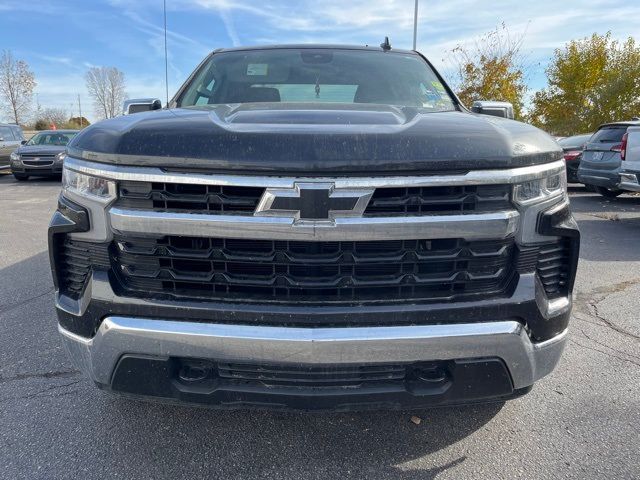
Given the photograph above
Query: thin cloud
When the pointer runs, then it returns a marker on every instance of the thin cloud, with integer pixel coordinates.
(130, 35)
(225, 14)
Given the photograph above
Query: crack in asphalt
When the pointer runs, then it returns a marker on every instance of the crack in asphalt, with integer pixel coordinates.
(609, 323)
(592, 298)
(45, 392)
(603, 352)
(26, 376)
(607, 346)
(13, 306)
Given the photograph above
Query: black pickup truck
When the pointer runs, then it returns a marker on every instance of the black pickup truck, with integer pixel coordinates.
(314, 227)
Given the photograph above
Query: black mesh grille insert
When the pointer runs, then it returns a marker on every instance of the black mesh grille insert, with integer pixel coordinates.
(178, 197)
(438, 200)
(310, 376)
(228, 269)
(553, 267)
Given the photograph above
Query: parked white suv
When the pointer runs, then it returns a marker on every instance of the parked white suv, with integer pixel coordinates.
(630, 165)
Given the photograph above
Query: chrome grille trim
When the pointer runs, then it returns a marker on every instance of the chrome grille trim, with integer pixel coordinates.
(37, 163)
(152, 174)
(30, 156)
(470, 227)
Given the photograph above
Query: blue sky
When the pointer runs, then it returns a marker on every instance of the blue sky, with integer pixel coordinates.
(62, 39)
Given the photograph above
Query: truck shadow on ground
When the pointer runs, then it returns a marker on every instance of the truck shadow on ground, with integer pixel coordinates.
(370, 444)
(139, 439)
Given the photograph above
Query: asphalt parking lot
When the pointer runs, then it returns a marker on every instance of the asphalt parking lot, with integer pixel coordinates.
(583, 421)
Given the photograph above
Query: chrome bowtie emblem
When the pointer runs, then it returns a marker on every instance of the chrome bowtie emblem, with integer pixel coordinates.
(314, 202)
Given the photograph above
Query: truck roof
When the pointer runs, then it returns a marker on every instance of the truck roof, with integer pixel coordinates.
(314, 46)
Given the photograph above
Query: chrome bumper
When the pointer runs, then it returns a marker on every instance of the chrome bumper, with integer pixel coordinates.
(117, 336)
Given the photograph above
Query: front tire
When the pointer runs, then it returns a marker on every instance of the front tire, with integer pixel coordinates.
(21, 177)
(609, 193)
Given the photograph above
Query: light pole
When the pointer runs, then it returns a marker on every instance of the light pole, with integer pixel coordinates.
(415, 25)
(166, 58)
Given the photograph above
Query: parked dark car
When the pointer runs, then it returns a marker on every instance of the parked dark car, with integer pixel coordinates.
(11, 137)
(42, 155)
(572, 148)
(600, 162)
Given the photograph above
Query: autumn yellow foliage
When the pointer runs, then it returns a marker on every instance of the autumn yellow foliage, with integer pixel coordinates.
(590, 81)
(491, 69)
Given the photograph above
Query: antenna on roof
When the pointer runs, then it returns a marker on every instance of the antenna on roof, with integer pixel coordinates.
(166, 58)
(385, 45)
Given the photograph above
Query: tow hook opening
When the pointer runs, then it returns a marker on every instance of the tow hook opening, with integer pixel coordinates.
(192, 371)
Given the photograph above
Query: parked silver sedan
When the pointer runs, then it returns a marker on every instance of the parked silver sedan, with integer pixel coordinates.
(42, 155)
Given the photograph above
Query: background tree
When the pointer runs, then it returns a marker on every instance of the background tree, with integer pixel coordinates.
(78, 122)
(106, 86)
(41, 124)
(590, 82)
(491, 69)
(55, 116)
(16, 87)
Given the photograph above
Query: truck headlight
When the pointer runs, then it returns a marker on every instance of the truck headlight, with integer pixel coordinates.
(14, 157)
(541, 189)
(88, 186)
(60, 157)
(534, 197)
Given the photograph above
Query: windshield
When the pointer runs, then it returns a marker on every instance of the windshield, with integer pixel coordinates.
(52, 138)
(577, 141)
(317, 76)
(609, 134)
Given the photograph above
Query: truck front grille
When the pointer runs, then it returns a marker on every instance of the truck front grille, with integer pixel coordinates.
(214, 268)
(266, 270)
(189, 198)
(241, 200)
(438, 200)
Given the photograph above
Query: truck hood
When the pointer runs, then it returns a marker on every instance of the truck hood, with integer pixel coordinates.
(309, 138)
(40, 149)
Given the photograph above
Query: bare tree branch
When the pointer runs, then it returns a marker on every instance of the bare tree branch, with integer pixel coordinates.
(55, 116)
(16, 87)
(492, 68)
(106, 86)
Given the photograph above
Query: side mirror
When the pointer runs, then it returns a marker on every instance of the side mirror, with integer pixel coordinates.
(23, 142)
(497, 109)
(137, 105)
